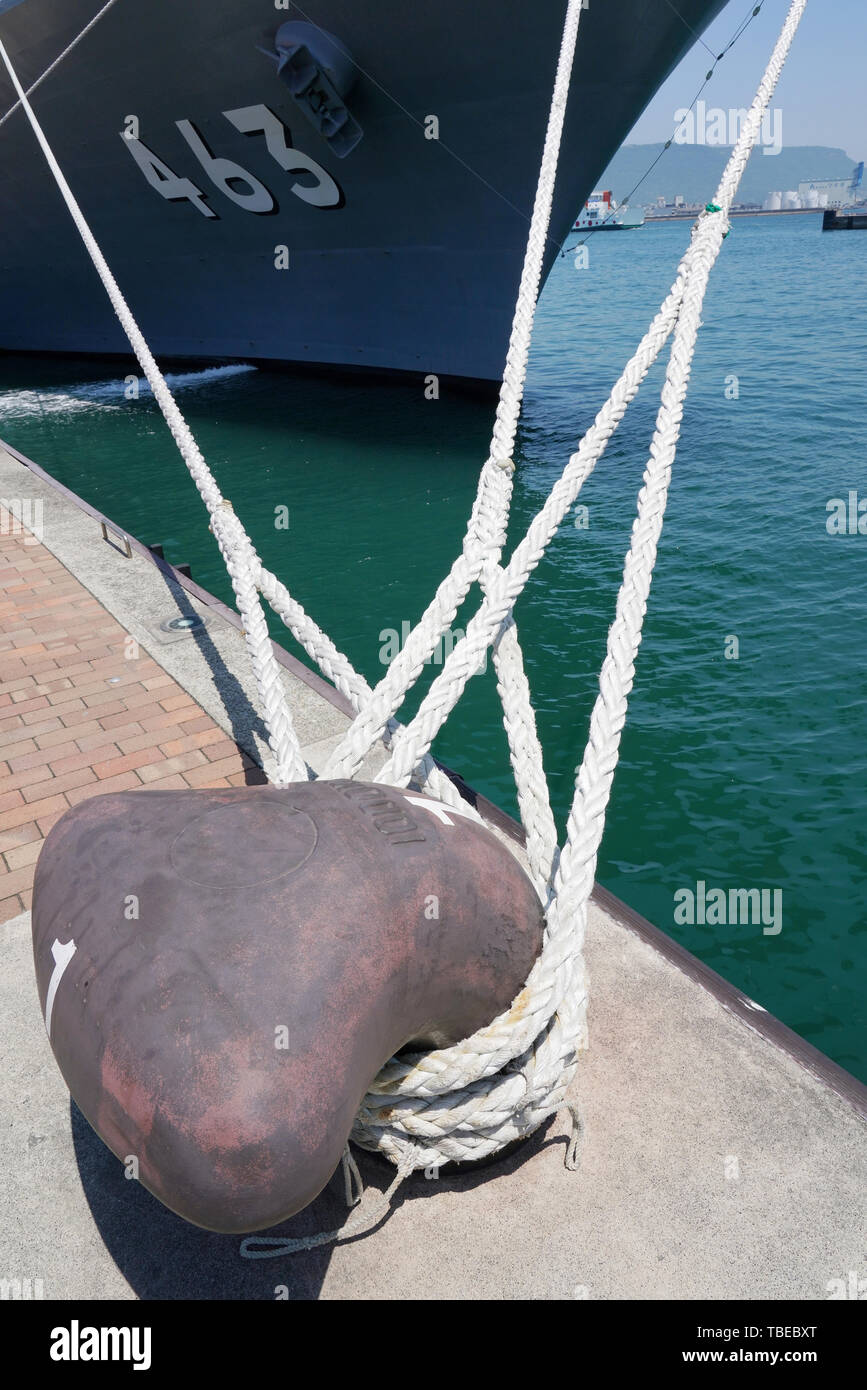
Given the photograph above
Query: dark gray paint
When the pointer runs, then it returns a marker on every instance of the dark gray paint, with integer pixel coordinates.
(418, 271)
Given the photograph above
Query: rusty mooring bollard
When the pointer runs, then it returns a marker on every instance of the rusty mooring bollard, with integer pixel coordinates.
(223, 973)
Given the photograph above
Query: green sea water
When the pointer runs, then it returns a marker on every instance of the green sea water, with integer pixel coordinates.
(743, 765)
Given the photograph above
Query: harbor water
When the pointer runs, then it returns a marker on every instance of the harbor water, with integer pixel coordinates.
(744, 760)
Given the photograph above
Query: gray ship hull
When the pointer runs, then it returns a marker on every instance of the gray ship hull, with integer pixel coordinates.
(403, 253)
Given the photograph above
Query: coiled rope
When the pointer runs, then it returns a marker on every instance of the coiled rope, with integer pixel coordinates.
(467, 1101)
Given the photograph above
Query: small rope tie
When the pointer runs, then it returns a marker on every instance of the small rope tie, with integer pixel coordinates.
(353, 1182)
(378, 1207)
(715, 207)
(575, 1147)
(365, 1217)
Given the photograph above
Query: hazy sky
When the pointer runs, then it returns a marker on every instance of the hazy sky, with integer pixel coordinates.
(821, 93)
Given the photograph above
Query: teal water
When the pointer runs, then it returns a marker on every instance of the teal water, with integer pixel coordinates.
(746, 773)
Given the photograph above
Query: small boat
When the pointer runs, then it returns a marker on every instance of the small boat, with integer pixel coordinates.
(601, 213)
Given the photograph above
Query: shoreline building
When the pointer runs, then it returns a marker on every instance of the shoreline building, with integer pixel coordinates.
(833, 193)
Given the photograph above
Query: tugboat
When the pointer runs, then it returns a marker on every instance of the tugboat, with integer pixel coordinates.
(602, 214)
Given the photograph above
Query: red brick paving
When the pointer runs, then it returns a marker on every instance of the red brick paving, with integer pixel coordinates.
(69, 731)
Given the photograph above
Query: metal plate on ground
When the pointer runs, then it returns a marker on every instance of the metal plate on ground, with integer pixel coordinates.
(181, 626)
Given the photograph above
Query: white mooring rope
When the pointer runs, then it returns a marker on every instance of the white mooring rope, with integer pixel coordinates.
(82, 34)
(467, 1101)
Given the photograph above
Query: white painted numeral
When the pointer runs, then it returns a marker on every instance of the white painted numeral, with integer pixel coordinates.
(259, 120)
(166, 182)
(224, 172)
(318, 188)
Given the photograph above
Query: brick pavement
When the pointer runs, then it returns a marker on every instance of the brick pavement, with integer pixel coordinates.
(81, 713)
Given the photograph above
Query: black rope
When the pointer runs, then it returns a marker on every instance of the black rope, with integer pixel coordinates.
(739, 32)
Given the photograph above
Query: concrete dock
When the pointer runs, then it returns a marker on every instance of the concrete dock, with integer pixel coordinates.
(724, 1157)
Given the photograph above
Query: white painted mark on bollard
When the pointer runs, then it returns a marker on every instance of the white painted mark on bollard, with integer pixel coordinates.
(62, 956)
(437, 809)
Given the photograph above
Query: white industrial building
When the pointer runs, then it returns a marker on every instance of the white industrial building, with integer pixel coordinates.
(832, 193)
(818, 193)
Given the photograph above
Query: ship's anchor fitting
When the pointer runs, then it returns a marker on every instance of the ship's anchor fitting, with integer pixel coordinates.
(319, 73)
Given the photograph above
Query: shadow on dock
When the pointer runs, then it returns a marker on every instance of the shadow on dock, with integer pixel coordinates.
(163, 1257)
(244, 720)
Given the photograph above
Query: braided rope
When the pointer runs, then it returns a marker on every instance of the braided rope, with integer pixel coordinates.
(467, 1101)
(82, 34)
(486, 534)
(551, 1005)
(340, 671)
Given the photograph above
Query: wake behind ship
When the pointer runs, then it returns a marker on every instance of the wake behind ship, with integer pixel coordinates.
(327, 184)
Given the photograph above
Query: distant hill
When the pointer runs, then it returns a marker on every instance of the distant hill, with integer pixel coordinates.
(694, 171)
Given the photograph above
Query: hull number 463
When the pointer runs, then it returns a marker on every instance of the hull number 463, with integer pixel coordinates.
(312, 184)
